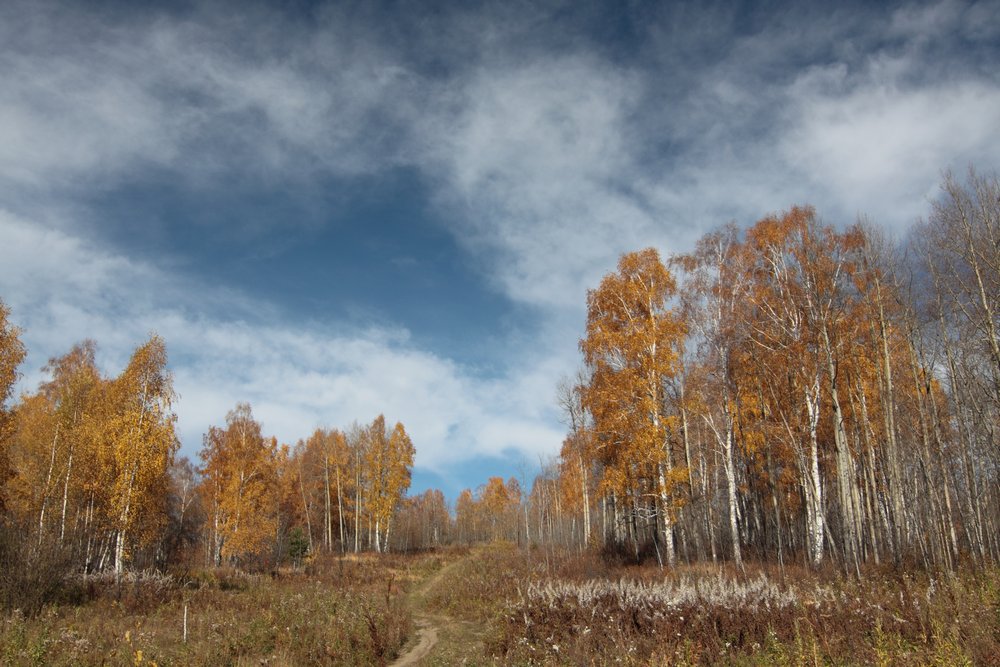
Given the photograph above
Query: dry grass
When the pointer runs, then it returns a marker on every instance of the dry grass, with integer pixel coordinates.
(336, 613)
(551, 607)
(480, 583)
(699, 616)
(539, 607)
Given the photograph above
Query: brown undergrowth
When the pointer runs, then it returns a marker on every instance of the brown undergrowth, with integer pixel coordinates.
(554, 607)
(338, 611)
(578, 615)
(527, 607)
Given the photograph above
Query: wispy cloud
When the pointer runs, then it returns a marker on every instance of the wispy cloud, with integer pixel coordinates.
(298, 377)
(548, 147)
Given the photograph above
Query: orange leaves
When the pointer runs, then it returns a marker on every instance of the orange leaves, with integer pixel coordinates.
(97, 447)
(351, 484)
(491, 513)
(633, 343)
(389, 460)
(11, 354)
(240, 484)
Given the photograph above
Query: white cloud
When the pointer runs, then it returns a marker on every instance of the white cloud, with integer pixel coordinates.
(547, 161)
(297, 377)
(537, 171)
(87, 101)
(881, 148)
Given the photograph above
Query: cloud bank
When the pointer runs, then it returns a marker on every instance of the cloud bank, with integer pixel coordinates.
(547, 144)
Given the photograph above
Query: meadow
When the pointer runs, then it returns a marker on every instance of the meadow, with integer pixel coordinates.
(501, 605)
(341, 611)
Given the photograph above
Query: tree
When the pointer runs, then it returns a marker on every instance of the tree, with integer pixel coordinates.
(499, 503)
(298, 546)
(577, 453)
(55, 438)
(140, 444)
(786, 353)
(186, 516)
(389, 462)
(467, 517)
(962, 246)
(240, 486)
(713, 294)
(633, 343)
(11, 354)
(421, 522)
(336, 460)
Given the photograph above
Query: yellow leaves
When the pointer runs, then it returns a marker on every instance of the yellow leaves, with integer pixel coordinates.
(139, 438)
(240, 484)
(498, 498)
(390, 459)
(633, 344)
(97, 446)
(490, 513)
(11, 354)
(350, 480)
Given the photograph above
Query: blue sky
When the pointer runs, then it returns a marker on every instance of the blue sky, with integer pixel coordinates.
(335, 210)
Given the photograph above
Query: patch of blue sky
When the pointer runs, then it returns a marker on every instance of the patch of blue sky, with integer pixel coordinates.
(334, 209)
(342, 252)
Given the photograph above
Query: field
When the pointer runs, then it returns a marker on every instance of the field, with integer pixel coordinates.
(501, 605)
(341, 612)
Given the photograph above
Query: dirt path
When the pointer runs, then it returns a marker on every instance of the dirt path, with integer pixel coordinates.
(441, 639)
(427, 635)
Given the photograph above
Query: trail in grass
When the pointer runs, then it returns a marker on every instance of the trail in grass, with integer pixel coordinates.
(440, 639)
(427, 636)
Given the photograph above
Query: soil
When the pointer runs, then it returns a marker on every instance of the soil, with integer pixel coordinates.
(440, 639)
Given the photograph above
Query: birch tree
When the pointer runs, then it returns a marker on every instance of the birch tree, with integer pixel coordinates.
(632, 343)
(239, 483)
(139, 444)
(390, 460)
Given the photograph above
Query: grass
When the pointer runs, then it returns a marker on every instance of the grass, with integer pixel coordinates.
(697, 615)
(498, 604)
(340, 612)
(479, 583)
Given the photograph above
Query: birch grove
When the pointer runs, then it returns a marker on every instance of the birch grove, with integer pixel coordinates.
(834, 397)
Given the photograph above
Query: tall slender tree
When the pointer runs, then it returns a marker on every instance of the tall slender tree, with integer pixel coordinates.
(633, 343)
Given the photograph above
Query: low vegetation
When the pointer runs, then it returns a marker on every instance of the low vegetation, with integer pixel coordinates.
(336, 612)
(519, 607)
(566, 608)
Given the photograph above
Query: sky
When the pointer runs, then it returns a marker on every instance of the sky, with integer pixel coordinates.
(336, 210)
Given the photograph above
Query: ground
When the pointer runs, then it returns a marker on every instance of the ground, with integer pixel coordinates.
(504, 605)
(441, 639)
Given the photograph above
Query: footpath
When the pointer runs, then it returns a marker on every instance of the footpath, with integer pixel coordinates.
(440, 640)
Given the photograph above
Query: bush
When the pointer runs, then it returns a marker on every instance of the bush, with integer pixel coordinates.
(33, 576)
(136, 592)
(298, 546)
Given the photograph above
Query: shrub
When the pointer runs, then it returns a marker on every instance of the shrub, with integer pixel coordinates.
(32, 576)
